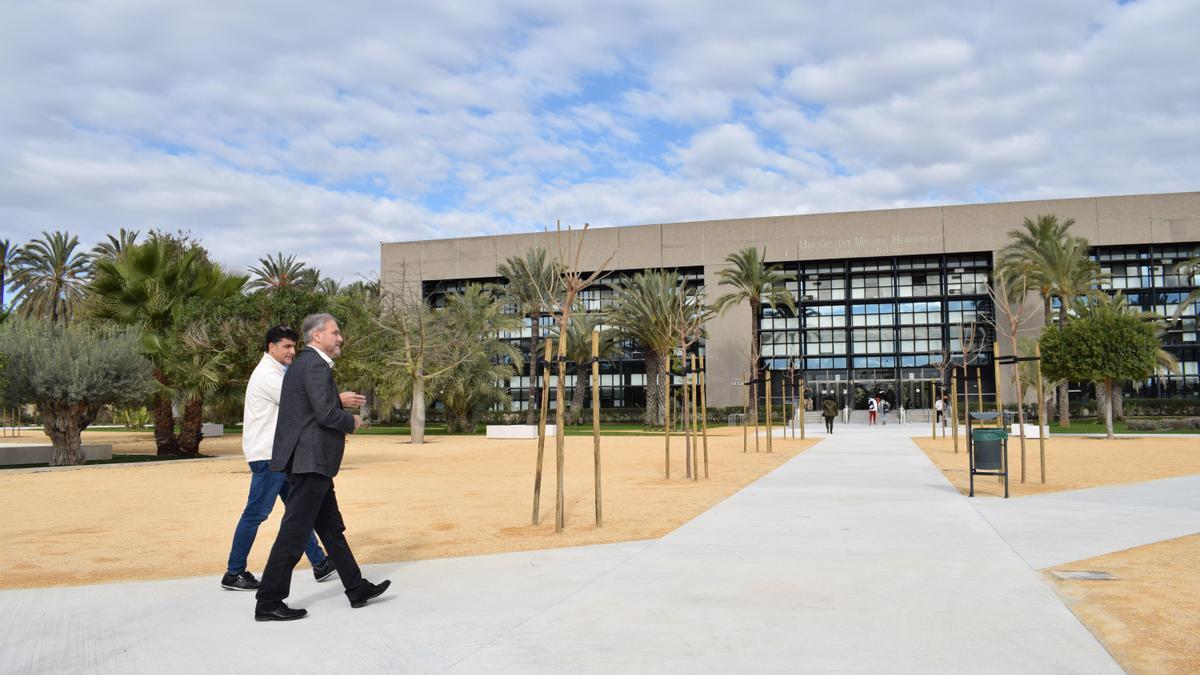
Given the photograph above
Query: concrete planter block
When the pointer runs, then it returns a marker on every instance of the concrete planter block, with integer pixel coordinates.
(1031, 430)
(210, 430)
(525, 431)
(40, 453)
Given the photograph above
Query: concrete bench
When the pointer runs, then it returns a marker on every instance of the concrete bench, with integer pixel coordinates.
(40, 453)
(517, 431)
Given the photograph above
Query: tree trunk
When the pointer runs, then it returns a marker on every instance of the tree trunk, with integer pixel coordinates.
(1064, 404)
(459, 422)
(754, 337)
(652, 417)
(191, 426)
(583, 379)
(686, 418)
(164, 420)
(369, 394)
(1108, 409)
(1118, 399)
(62, 424)
(535, 395)
(417, 410)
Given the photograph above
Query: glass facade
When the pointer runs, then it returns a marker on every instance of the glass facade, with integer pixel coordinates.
(622, 380)
(880, 324)
(885, 324)
(1143, 274)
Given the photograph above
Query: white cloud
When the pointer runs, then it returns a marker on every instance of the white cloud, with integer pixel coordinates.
(322, 132)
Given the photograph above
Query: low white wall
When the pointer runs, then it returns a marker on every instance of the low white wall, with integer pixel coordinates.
(518, 431)
(40, 453)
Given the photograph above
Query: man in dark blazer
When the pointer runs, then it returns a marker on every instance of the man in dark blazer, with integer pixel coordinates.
(310, 438)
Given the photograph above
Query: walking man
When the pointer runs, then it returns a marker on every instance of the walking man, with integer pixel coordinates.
(829, 411)
(258, 432)
(310, 440)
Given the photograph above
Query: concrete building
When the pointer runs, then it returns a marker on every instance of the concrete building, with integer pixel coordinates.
(881, 294)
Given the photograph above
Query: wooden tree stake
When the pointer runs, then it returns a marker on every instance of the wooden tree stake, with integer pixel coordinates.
(667, 415)
(1041, 403)
(954, 407)
(704, 415)
(537, 476)
(596, 419)
(770, 422)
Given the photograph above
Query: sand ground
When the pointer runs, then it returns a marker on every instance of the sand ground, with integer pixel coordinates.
(1148, 617)
(452, 496)
(1072, 463)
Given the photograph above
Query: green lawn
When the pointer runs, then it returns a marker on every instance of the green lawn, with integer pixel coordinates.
(1095, 426)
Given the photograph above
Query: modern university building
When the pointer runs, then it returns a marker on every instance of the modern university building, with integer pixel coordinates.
(880, 294)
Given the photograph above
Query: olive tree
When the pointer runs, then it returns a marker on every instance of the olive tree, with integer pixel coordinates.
(70, 373)
(1105, 347)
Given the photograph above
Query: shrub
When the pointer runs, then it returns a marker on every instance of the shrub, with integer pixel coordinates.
(1162, 406)
(1143, 425)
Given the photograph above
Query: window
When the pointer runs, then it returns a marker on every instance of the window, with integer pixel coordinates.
(873, 340)
(818, 342)
(921, 339)
(822, 287)
(871, 286)
(825, 316)
(918, 284)
(911, 313)
(874, 315)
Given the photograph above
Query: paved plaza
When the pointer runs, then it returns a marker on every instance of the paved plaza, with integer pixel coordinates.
(855, 556)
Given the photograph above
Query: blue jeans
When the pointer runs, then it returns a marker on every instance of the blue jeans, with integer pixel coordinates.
(265, 486)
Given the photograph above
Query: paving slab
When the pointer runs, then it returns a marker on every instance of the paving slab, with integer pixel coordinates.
(855, 556)
(1061, 527)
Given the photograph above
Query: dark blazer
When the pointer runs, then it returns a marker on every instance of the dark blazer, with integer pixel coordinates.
(312, 425)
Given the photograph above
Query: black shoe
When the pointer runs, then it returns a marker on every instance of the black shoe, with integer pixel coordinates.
(280, 613)
(371, 591)
(324, 571)
(239, 582)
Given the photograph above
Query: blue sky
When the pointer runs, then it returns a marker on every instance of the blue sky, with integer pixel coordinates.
(322, 132)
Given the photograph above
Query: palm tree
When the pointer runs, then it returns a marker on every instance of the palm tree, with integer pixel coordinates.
(276, 272)
(113, 246)
(329, 287)
(150, 286)
(1186, 268)
(7, 254)
(579, 352)
(644, 310)
(755, 282)
(473, 385)
(50, 276)
(1056, 263)
(533, 287)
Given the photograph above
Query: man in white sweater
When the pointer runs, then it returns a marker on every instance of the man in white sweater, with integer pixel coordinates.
(258, 433)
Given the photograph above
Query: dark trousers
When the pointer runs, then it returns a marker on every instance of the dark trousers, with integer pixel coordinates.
(265, 487)
(311, 505)
(829, 424)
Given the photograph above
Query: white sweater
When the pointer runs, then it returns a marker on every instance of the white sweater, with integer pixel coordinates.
(262, 409)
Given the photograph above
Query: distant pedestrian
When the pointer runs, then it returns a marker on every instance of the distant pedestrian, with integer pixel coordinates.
(872, 410)
(938, 406)
(829, 410)
(884, 407)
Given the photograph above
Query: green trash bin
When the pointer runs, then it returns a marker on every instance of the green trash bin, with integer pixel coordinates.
(987, 444)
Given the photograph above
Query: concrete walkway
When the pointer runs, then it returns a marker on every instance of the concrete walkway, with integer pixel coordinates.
(1062, 527)
(856, 556)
